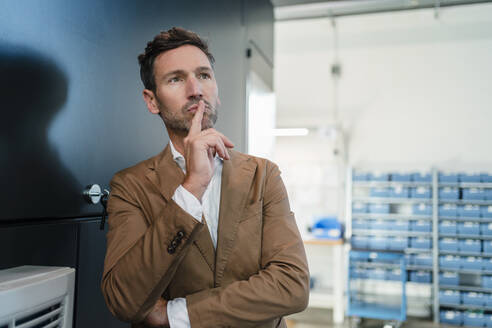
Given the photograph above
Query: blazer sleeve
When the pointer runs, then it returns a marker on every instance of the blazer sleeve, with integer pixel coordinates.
(281, 287)
(139, 263)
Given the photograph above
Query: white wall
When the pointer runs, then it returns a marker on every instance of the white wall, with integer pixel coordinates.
(415, 91)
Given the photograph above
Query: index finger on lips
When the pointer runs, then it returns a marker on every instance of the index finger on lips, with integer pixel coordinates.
(196, 122)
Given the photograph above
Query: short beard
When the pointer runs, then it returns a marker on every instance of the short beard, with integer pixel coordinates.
(181, 126)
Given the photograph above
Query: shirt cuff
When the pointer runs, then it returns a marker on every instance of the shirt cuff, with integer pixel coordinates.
(188, 202)
(177, 313)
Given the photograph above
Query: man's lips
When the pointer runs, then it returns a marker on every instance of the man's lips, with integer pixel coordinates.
(193, 108)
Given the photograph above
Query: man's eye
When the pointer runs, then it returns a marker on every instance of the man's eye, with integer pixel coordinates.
(205, 76)
(174, 79)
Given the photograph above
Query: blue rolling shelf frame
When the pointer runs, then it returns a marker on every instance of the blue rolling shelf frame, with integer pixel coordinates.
(356, 306)
(451, 211)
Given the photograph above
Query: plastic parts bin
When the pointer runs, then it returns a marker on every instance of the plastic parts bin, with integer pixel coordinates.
(449, 193)
(449, 297)
(451, 317)
(449, 278)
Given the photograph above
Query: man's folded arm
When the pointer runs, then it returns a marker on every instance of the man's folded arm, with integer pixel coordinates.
(139, 262)
(281, 287)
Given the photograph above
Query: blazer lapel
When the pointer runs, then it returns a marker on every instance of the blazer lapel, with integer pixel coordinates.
(165, 174)
(237, 176)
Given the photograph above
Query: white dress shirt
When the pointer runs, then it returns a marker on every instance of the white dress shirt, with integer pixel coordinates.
(177, 311)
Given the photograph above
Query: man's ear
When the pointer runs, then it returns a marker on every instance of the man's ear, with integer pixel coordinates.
(151, 101)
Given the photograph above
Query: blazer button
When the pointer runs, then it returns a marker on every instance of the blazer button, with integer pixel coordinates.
(180, 234)
(171, 250)
(174, 243)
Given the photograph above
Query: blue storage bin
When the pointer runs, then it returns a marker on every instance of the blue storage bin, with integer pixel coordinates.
(487, 246)
(377, 242)
(421, 177)
(451, 317)
(409, 259)
(422, 259)
(378, 274)
(469, 211)
(359, 176)
(420, 276)
(450, 262)
(470, 245)
(487, 263)
(488, 320)
(379, 224)
(360, 224)
(449, 297)
(468, 228)
(394, 275)
(486, 211)
(397, 243)
(420, 242)
(359, 208)
(488, 299)
(473, 319)
(360, 241)
(379, 192)
(401, 177)
(376, 176)
(449, 278)
(422, 209)
(449, 193)
(448, 210)
(448, 244)
(473, 193)
(401, 225)
(486, 229)
(448, 177)
(358, 273)
(473, 298)
(448, 227)
(471, 263)
(399, 192)
(485, 177)
(421, 192)
(379, 208)
(487, 281)
(488, 194)
(421, 226)
(473, 177)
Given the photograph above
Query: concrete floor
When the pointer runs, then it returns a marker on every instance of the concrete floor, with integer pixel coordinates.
(322, 318)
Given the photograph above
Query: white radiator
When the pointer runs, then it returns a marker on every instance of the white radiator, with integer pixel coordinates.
(36, 297)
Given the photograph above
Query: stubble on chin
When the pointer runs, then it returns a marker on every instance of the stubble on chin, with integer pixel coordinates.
(181, 125)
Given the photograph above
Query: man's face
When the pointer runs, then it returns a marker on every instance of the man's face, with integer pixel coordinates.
(183, 77)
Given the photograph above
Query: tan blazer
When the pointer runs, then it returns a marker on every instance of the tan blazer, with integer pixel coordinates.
(258, 273)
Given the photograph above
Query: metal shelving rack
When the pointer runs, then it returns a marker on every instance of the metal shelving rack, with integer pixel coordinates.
(435, 218)
(463, 288)
(394, 216)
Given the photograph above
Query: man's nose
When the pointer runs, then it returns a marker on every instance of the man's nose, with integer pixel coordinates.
(194, 88)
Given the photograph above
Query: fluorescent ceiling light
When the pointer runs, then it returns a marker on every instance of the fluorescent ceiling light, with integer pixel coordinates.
(290, 132)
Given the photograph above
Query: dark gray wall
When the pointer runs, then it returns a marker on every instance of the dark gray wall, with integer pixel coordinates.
(72, 115)
(71, 93)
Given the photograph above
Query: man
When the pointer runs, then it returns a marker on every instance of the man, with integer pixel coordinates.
(199, 235)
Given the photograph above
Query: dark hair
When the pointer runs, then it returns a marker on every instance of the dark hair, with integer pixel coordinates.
(164, 41)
